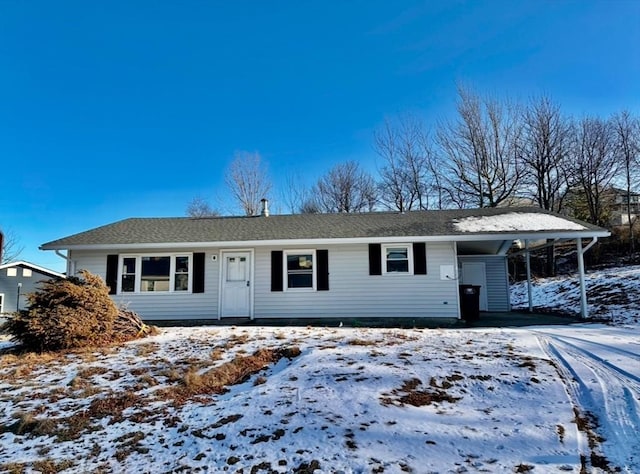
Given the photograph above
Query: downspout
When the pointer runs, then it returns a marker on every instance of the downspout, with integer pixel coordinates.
(584, 310)
(70, 269)
(528, 260)
(457, 275)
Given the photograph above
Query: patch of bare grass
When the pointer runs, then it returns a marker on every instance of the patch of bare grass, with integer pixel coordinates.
(215, 380)
(410, 394)
(362, 342)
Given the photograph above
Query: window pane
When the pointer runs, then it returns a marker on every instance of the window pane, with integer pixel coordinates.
(128, 283)
(128, 265)
(182, 264)
(182, 282)
(300, 262)
(155, 274)
(397, 266)
(300, 280)
(400, 253)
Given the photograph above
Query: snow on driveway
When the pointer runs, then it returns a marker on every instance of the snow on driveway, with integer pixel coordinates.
(600, 366)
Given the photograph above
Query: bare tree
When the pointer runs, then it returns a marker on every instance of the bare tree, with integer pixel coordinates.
(11, 248)
(406, 176)
(297, 194)
(346, 188)
(544, 152)
(594, 169)
(627, 148)
(482, 149)
(200, 208)
(547, 138)
(248, 181)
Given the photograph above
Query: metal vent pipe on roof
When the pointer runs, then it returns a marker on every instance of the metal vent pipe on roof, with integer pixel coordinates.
(265, 207)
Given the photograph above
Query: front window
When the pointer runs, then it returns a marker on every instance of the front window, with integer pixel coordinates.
(397, 258)
(155, 273)
(300, 269)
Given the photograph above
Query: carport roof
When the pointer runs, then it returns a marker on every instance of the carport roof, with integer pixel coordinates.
(458, 225)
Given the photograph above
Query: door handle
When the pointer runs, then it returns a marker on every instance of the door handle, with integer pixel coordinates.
(248, 282)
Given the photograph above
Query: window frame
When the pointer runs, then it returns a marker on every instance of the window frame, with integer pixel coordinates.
(384, 260)
(172, 273)
(314, 269)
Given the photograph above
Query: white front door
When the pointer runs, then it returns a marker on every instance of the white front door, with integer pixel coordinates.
(236, 284)
(474, 273)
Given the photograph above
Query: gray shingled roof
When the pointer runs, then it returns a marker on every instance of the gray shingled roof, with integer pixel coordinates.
(285, 227)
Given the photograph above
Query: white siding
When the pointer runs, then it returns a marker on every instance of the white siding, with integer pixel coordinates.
(161, 305)
(355, 293)
(497, 280)
(352, 291)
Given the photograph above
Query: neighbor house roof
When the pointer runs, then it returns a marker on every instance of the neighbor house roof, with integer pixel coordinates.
(460, 224)
(32, 266)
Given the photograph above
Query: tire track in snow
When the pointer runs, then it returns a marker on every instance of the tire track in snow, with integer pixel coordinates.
(598, 345)
(599, 387)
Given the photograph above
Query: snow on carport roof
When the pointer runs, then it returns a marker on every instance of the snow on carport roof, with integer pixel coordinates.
(515, 221)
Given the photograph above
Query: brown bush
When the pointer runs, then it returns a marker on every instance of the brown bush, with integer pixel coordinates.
(73, 313)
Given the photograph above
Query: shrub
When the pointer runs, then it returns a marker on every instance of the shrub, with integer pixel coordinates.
(65, 314)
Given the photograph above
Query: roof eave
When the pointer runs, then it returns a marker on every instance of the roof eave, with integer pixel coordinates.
(466, 237)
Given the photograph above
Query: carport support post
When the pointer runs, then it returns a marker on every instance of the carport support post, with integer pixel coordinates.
(583, 290)
(528, 260)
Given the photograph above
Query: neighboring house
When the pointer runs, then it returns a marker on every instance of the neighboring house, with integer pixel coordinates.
(17, 279)
(622, 204)
(379, 264)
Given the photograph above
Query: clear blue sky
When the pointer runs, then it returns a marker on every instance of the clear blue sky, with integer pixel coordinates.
(115, 109)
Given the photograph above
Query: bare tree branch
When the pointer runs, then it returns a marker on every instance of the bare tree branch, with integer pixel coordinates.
(248, 181)
(346, 188)
(200, 208)
(407, 178)
(545, 151)
(595, 167)
(11, 248)
(481, 148)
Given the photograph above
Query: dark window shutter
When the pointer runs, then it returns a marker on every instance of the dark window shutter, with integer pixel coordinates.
(375, 259)
(419, 258)
(198, 272)
(276, 270)
(323, 270)
(111, 278)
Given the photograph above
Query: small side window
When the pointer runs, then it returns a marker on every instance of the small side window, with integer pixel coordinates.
(26, 272)
(300, 269)
(397, 259)
(11, 272)
(128, 274)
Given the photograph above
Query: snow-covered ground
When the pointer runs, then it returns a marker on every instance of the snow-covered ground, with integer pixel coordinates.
(613, 294)
(356, 400)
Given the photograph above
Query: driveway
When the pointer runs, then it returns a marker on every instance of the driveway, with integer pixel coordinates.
(600, 369)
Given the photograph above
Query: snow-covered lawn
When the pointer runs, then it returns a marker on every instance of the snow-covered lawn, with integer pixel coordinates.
(355, 400)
